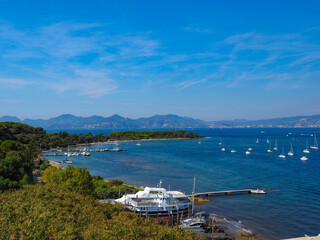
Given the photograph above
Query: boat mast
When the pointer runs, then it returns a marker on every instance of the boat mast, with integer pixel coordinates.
(193, 192)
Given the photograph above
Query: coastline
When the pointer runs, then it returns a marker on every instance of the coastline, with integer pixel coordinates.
(231, 228)
(128, 140)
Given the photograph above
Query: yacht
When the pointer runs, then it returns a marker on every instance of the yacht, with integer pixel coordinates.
(282, 154)
(291, 151)
(276, 146)
(315, 144)
(258, 191)
(156, 201)
(85, 153)
(304, 158)
(306, 150)
(196, 224)
(269, 150)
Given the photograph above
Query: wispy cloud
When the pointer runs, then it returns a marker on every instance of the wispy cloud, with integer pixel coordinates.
(80, 81)
(14, 82)
(189, 83)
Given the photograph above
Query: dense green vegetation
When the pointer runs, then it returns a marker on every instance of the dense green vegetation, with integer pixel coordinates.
(20, 144)
(138, 135)
(79, 180)
(51, 212)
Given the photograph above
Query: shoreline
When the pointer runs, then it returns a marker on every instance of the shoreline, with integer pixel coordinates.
(231, 227)
(128, 140)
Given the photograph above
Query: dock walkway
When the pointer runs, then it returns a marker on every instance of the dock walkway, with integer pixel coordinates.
(221, 193)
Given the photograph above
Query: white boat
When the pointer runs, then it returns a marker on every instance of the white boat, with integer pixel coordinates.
(233, 151)
(153, 201)
(304, 158)
(276, 146)
(315, 144)
(196, 224)
(268, 141)
(258, 191)
(138, 144)
(223, 149)
(306, 150)
(282, 154)
(220, 142)
(249, 149)
(248, 152)
(85, 153)
(291, 151)
(269, 150)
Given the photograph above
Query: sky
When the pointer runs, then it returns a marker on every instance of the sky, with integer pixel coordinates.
(211, 60)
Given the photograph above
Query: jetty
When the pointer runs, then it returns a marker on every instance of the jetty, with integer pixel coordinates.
(222, 193)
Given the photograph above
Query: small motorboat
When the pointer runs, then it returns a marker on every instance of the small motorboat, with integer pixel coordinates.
(233, 151)
(223, 149)
(248, 152)
(258, 191)
(249, 149)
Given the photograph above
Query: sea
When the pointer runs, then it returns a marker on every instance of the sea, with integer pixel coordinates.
(291, 206)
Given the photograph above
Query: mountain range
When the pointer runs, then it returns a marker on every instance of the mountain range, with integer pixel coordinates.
(69, 121)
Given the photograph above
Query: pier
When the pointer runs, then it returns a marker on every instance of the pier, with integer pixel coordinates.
(222, 193)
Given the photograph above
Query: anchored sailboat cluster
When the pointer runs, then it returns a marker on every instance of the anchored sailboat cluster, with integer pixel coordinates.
(275, 148)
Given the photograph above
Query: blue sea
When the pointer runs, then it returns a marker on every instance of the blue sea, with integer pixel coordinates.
(291, 209)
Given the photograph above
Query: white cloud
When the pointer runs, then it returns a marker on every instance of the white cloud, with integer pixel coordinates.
(186, 84)
(14, 82)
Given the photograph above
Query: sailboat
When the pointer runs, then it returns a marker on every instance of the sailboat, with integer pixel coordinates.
(291, 151)
(257, 140)
(268, 141)
(220, 142)
(315, 144)
(282, 154)
(269, 150)
(304, 158)
(306, 150)
(276, 146)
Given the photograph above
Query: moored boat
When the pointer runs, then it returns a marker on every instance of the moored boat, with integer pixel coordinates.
(156, 201)
(304, 158)
(258, 191)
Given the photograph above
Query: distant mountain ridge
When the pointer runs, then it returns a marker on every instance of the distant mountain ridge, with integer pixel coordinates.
(69, 121)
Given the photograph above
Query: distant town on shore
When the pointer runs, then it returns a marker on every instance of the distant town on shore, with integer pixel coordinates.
(69, 121)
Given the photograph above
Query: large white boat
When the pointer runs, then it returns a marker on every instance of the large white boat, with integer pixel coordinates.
(156, 201)
(315, 144)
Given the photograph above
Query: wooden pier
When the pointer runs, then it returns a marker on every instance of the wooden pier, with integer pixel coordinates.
(222, 193)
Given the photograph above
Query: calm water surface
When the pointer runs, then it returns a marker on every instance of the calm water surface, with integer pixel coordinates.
(290, 210)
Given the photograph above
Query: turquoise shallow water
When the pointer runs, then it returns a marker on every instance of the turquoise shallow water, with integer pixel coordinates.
(291, 210)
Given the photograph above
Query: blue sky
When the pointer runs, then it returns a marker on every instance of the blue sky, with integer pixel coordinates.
(211, 60)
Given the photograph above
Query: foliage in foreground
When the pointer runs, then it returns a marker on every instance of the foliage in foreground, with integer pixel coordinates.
(50, 212)
(79, 180)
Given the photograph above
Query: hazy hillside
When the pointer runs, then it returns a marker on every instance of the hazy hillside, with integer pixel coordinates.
(69, 121)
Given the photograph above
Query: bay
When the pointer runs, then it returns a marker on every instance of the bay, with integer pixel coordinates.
(291, 209)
